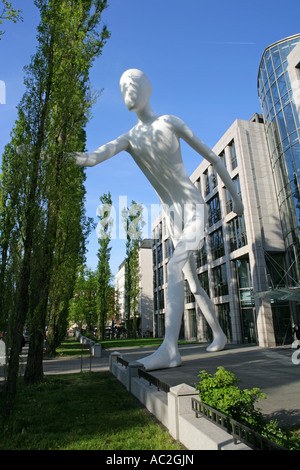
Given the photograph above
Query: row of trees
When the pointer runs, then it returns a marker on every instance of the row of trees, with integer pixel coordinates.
(43, 226)
(95, 300)
(133, 223)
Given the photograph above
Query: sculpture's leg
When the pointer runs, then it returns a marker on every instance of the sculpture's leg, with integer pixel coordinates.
(206, 306)
(167, 355)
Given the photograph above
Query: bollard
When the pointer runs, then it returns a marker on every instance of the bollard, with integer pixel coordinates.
(96, 350)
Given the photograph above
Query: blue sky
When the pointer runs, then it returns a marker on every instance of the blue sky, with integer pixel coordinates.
(201, 57)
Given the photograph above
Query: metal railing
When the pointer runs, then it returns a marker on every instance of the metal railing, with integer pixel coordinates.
(122, 361)
(238, 431)
(148, 377)
(154, 381)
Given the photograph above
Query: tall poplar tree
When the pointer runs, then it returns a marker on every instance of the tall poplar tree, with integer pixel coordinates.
(42, 190)
(133, 224)
(103, 270)
(83, 307)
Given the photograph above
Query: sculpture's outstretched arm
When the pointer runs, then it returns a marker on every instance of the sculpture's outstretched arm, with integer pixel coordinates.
(103, 153)
(188, 136)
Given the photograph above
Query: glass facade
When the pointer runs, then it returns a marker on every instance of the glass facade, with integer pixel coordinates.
(247, 306)
(283, 134)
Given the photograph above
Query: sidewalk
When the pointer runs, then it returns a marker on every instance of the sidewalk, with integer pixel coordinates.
(271, 370)
(66, 365)
(74, 365)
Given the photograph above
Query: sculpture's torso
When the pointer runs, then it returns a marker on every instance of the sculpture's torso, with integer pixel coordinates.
(155, 147)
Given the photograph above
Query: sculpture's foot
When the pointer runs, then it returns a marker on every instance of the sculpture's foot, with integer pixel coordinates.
(162, 358)
(218, 343)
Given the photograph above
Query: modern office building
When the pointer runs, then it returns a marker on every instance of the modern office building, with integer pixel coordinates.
(249, 265)
(145, 301)
(120, 292)
(232, 261)
(294, 74)
(282, 127)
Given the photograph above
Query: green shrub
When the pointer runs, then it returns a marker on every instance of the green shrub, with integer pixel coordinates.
(221, 392)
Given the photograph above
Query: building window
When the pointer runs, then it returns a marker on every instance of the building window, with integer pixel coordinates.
(169, 247)
(159, 254)
(189, 296)
(160, 276)
(160, 231)
(225, 320)
(220, 280)
(229, 202)
(247, 306)
(160, 325)
(154, 257)
(236, 181)
(206, 183)
(222, 156)
(161, 299)
(233, 155)
(275, 270)
(214, 181)
(217, 244)
(203, 279)
(238, 236)
(155, 300)
(154, 280)
(193, 323)
(201, 258)
(214, 210)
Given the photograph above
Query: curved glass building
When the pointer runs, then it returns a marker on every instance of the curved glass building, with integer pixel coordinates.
(283, 135)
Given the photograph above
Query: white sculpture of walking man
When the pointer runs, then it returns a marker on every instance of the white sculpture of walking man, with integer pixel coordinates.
(154, 144)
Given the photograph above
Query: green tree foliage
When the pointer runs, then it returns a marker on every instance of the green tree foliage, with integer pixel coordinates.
(83, 308)
(7, 12)
(42, 221)
(103, 270)
(133, 224)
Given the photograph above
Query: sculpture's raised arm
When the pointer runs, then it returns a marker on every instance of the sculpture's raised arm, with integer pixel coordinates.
(102, 153)
(188, 136)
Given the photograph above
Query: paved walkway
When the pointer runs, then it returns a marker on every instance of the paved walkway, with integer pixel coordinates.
(66, 365)
(271, 370)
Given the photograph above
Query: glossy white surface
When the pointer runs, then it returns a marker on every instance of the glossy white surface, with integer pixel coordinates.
(154, 144)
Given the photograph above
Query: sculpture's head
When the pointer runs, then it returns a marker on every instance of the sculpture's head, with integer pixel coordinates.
(136, 89)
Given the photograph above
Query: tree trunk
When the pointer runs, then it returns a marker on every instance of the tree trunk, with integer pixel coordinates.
(34, 370)
(10, 385)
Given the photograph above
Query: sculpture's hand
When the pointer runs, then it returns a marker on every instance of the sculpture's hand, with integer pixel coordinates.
(238, 207)
(102, 153)
(80, 158)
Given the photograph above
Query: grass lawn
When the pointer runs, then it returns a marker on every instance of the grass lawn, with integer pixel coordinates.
(70, 347)
(88, 411)
(132, 343)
